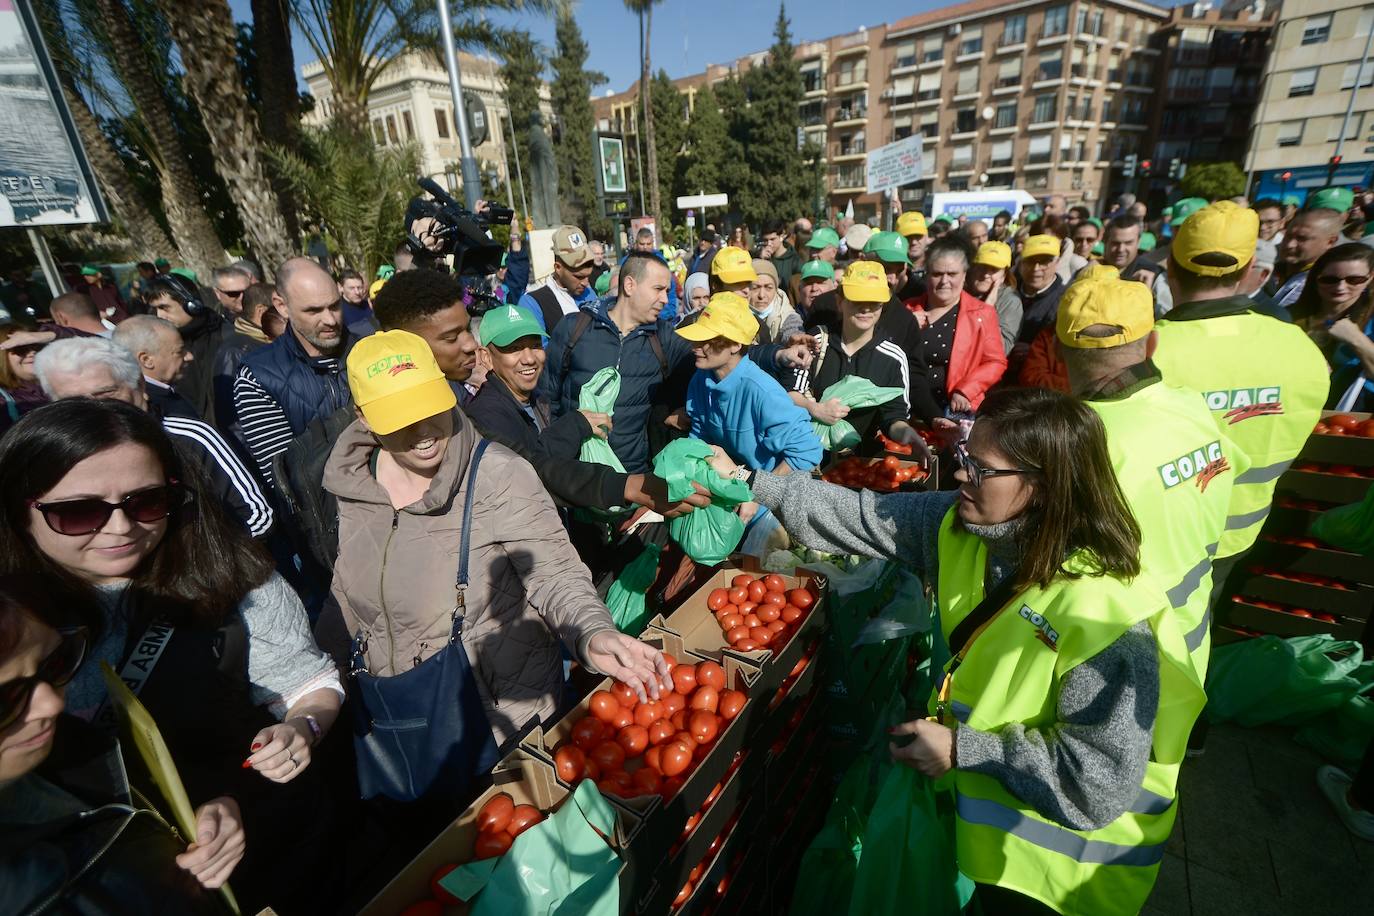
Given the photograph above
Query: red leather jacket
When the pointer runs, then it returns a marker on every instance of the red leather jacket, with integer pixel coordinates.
(976, 358)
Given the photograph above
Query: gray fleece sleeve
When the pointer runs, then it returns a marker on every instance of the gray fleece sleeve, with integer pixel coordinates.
(1086, 769)
(902, 527)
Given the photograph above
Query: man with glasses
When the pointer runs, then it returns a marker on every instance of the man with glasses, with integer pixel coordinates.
(93, 367)
(569, 287)
(1270, 213)
(230, 282)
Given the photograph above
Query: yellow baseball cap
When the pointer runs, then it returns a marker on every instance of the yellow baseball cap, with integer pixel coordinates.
(733, 265)
(396, 382)
(376, 287)
(993, 254)
(726, 315)
(1038, 245)
(865, 281)
(912, 222)
(1216, 240)
(1089, 301)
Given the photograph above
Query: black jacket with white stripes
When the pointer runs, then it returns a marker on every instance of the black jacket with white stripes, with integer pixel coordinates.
(226, 478)
(882, 361)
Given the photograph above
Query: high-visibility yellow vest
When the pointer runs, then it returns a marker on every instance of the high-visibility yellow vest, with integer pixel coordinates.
(1011, 674)
(1265, 383)
(1177, 471)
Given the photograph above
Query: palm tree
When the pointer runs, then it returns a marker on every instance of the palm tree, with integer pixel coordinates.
(645, 10)
(279, 100)
(204, 31)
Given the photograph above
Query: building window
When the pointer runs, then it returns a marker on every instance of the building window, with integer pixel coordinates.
(1303, 82)
(378, 132)
(391, 133)
(1006, 115)
(812, 78)
(1014, 29)
(1316, 30)
(1097, 151)
(904, 54)
(1009, 73)
(1290, 133)
(958, 184)
(1045, 108)
(1095, 23)
(901, 126)
(1352, 130)
(903, 87)
(853, 71)
(961, 157)
(971, 40)
(1366, 22)
(852, 144)
(812, 113)
(1038, 150)
(1001, 153)
(441, 122)
(410, 125)
(929, 86)
(930, 125)
(932, 48)
(1080, 24)
(1051, 65)
(1056, 21)
(967, 81)
(1348, 77)
(965, 120)
(1114, 67)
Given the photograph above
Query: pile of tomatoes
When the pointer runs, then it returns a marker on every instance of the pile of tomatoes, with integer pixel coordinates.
(883, 474)
(1336, 470)
(500, 821)
(632, 749)
(1343, 424)
(756, 612)
(1284, 609)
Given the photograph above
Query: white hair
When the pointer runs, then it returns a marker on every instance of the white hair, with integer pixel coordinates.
(74, 355)
(143, 333)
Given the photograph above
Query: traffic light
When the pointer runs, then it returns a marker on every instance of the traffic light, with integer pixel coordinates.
(1286, 176)
(1145, 166)
(1335, 161)
(1129, 165)
(1175, 167)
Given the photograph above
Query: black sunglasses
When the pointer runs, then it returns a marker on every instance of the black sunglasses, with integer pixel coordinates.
(56, 670)
(75, 517)
(231, 293)
(1353, 280)
(977, 473)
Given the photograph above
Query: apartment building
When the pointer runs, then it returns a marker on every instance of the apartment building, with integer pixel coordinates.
(1313, 70)
(411, 103)
(1042, 95)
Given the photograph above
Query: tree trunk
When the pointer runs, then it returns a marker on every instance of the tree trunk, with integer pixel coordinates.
(651, 154)
(196, 238)
(204, 30)
(281, 103)
(143, 228)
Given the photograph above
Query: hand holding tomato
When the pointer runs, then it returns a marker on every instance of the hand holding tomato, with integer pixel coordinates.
(931, 752)
(626, 659)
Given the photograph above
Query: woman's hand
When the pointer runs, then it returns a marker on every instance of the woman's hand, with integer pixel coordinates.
(795, 356)
(27, 339)
(931, 751)
(721, 463)
(1343, 329)
(219, 843)
(747, 511)
(639, 666)
(281, 752)
(904, 433)
(679, 421)
(829, 412)
(600, 423)
(960, 403)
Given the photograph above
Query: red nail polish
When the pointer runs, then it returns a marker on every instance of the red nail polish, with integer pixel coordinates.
(256, 746)
(247, 764)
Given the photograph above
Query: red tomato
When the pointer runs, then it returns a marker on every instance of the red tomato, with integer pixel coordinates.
(683, 895)
(436, 889)
(776, 626)
(707, 698)
(774, 583)
(891, 464)
(742, 580)
(670, 659)
(736, 634)
(697, 872)
(609, 787)
(791, 613)
(593, 771)
(491, 844)
(752, 620)
(609, 756)
(495, 814)
(653, 759)
(621, 718)
(624, 695)
(731, 702)
(761, 635)
(685, 678)
(587, 732)
(633, 739)
(676, 758)
(1366, 429)
(685, 738)
(660, 731)
(603, 705)
(767, 613)
(774, 598)
(672, 702)
(748, 607)
(671, 785)
(679, 720)
(703, 726)
(747, 645)
(756, 590)
(648, 713)
(570, 763)
(730, 621)
(620, 778)
(1336, 421)
(739, 594)
(801, 598)
(799, 667)
(711, 674)
(646, 781)
(524, 817)
(718, 598)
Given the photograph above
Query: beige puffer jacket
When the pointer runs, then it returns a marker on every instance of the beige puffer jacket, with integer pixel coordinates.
(394, 579)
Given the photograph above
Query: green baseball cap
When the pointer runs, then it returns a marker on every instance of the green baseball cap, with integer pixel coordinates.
(1186, 208)
(1148, 242)
(162, 263)
(823, 237)
(1095, 221)
(186, 273)
(1339, 199)
(889, 247)
(603, 283)
(1099, 250)
(943, 218)
(88, 271)
(1167, 213)
(386, 272)
(817, 270)
(504, 326)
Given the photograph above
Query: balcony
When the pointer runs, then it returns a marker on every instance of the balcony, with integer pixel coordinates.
(1008, 40)
(851, 83)
(848, 181)
(1051, 35)
(850, 151)
(1048, 74)
(904, 62)
(849, 116)
(1007, 82)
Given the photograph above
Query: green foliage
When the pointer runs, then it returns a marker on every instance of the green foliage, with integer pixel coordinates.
(737, 178)
(1213, 181)
(570, 93)
(775, 119)
(670, 137)
(521, 73)
(711, 149)
(357, 192)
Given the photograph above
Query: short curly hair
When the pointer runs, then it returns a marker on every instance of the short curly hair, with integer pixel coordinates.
(411, 296)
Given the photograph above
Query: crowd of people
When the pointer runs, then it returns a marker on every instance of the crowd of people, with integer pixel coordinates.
(269, 504)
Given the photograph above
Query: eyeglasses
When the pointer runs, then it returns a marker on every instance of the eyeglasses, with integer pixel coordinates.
(231, 293)
(1328, 280)
(56, 670)
(74, 517)
(977, 473)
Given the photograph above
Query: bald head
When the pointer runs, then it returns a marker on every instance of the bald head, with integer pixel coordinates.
(313, 307)
(1307, 237)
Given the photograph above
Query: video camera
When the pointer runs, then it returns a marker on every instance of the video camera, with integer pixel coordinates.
(447, 227)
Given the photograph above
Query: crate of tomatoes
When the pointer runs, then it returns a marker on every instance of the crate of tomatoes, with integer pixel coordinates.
(888, 474)
(1336, 465)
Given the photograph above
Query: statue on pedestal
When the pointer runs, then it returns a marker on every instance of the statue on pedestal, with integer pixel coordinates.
(543, 184)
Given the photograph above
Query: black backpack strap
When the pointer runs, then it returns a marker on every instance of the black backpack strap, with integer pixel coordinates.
(657, 346)
(987, 609)
(584, 321)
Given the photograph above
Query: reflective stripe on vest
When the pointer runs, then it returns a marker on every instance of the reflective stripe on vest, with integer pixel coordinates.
(1265, 382)
(1055, 839)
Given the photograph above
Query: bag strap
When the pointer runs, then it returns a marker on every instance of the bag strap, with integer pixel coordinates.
(657, 346)
(584, 321)
(138, 667)
(972, 626)
(476, 462)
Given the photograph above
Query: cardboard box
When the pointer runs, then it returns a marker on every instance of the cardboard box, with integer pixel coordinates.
(737, 838)
(1353, 450)
(1324, 487)
(1355, 602)
(1240, 615)
(1276, 555)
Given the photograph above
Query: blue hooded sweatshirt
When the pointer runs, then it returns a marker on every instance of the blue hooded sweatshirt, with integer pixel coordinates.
(749, 414)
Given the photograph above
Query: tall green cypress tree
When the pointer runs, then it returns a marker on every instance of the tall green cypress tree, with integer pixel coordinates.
(571, 92)
(736, 177)
(670, 135)
(710, 148)
(521, 73)
(780, 187)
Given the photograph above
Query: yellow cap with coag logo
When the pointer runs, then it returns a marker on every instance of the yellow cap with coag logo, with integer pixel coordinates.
(395, 381)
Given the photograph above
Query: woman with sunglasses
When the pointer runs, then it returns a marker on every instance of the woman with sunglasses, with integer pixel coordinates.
(73, 835)
(1336, 308)
(1048, 716)
(19, 388)
(190, 613)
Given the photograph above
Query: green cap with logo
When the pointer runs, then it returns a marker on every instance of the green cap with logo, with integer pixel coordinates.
(817, 270)
(1148, 242)
(823, 237)
(603, 283)
(186, 273)
(1339, 199)
(504, 325)
(1186, 208)
(162, 264)
(90, 271)
(888, 247)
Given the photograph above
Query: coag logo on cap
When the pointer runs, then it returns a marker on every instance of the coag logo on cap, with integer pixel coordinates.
(392, 365)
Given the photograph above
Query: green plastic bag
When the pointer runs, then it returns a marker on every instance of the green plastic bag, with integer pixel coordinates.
(599, 394)
(1349, 527)
(855, 392)
(710, 534)
(1281, 681)
(558, 867)
(627, 596)
(825, 878)
(1342, 735)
